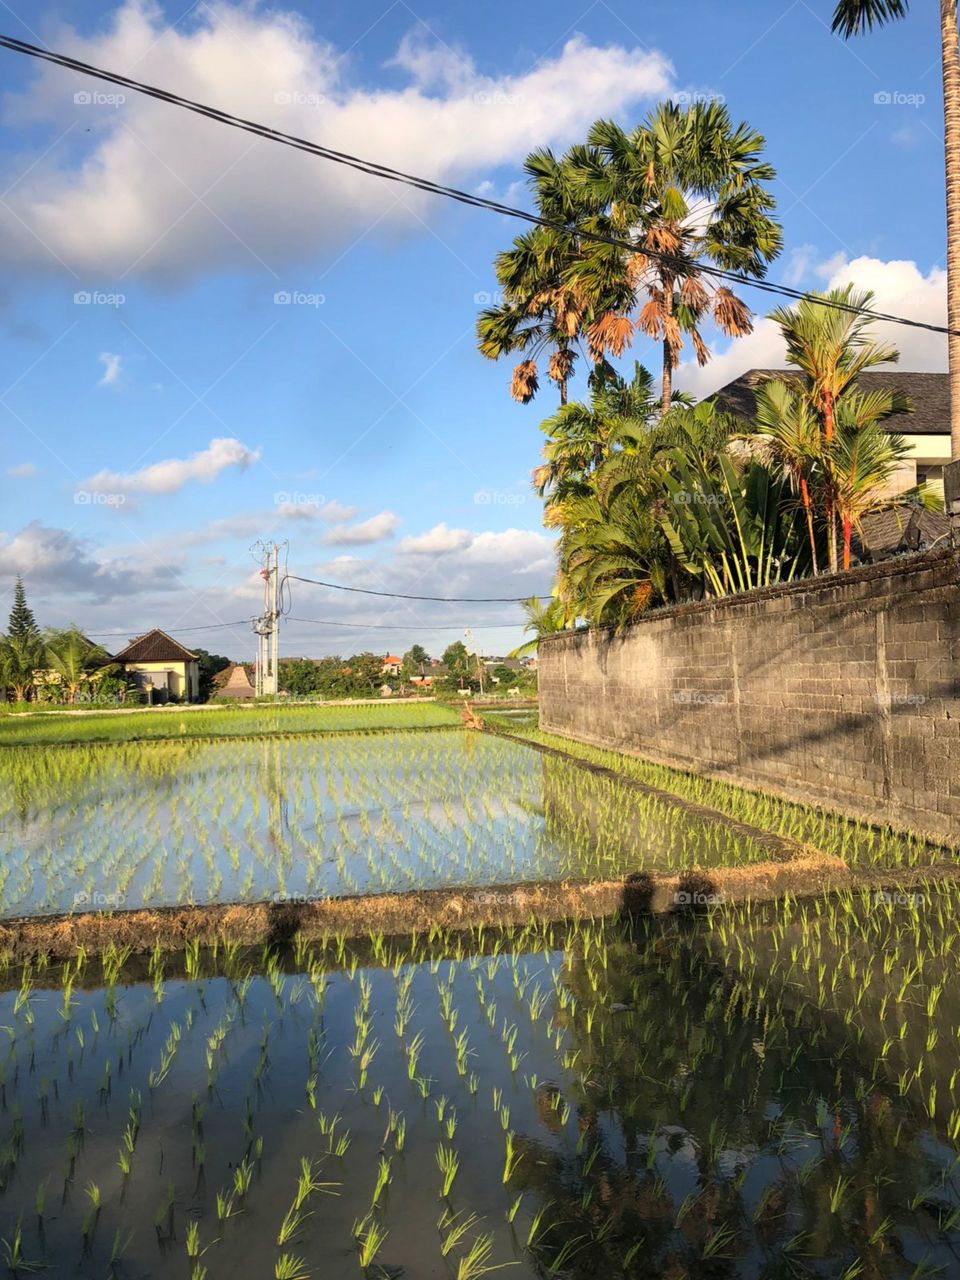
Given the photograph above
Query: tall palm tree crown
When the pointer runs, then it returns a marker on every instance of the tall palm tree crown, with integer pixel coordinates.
(686, 189)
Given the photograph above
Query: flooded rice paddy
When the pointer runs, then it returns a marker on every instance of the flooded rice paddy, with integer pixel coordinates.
(130, 825)
(757, 1093)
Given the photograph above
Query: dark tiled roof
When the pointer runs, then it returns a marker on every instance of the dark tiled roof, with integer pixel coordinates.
(929, 393)
(155, 646)
(899, 529)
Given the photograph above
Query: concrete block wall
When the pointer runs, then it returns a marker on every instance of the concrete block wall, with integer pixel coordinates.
(843, 691)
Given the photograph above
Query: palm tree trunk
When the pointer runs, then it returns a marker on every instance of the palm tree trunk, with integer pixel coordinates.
(667, 384)
(829, 504)
(808, 509)
(951, 141)
(847, 532)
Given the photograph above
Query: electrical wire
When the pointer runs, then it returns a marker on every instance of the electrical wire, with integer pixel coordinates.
(399, 595)
(386, 626)
(175, 631)
(376, 170)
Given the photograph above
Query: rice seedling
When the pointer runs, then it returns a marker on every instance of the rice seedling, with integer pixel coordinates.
(448, 1163)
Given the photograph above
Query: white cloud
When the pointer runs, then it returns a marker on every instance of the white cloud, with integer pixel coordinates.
(23, 470)
(901, 288)
(376, 529)
(174, 473)
(330, 512)
(440, 540)
(111, 368)
(54, 560)
(128, 198)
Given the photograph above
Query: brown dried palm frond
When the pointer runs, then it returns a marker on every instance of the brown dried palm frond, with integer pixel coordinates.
(663, 238)
(640, 598)
(638, 264)
(611, 333)
(700, 347)
(672, 337)
(650, 319)
(693, 294)
(569, 307)
(732, 315)
(525, 382)
(542, 476)
(561, 365)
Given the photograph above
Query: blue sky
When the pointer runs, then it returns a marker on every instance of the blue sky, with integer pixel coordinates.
(154, 431)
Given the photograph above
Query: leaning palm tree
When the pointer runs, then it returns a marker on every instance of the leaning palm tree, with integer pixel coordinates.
(851, 17)
(687, 189)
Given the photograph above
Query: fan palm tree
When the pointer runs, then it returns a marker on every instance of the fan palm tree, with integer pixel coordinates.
(828, 341)
(542, 309)
(851, 17)
(686, 189)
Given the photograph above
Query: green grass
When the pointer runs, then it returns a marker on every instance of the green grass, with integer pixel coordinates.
(55, 728)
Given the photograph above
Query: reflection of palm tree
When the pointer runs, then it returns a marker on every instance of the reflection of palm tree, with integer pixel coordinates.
(694, 1061)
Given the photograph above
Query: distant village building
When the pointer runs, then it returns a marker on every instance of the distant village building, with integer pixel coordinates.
(392, 665)
(161, 667)
(233, 682)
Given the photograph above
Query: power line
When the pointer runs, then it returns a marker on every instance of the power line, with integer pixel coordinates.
(386, 626)
(435, 188)
(399, 595)
(176, 631)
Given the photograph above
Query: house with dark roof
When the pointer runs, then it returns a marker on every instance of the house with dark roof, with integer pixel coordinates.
(926, 430)
(162, 667)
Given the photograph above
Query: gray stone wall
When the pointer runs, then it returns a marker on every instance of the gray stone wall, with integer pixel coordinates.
(842, 692)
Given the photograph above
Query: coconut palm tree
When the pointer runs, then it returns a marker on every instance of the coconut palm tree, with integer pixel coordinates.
(74, 659)
(687, 189)
(21, 656)
(830, 344)
(852, 17)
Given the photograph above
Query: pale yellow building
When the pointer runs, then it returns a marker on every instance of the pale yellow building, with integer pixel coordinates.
(161, 667)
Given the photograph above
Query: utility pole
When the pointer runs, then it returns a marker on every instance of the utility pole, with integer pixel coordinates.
(267, 626)
(469, 637)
